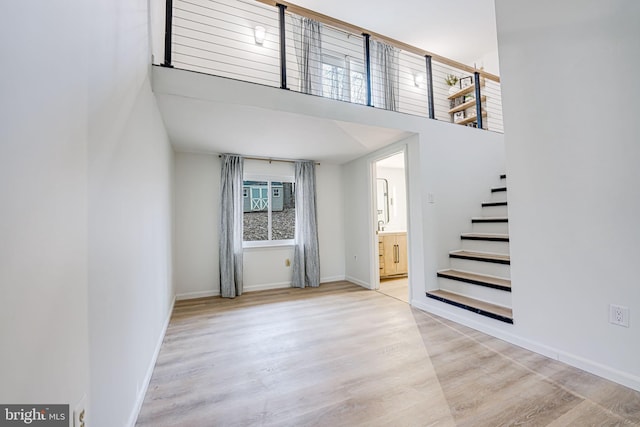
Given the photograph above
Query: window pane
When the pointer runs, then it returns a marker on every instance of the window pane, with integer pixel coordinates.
(283, 211)
(256, 214)
(358, 88)
(333, 82)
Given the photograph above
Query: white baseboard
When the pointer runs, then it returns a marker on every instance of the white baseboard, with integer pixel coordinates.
(199, 294)
(251, 288)
(152, 364)
(266, 286)
(358, 282)
(332, 279)
(624, 378)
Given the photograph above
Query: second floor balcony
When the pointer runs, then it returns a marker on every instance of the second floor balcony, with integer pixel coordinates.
(286, 46)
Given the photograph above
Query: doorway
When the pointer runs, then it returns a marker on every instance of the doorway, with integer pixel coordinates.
(391, 226)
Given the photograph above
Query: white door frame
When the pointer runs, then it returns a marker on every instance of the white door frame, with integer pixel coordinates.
(373, 175)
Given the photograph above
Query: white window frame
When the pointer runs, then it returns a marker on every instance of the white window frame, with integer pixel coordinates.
(269, 242)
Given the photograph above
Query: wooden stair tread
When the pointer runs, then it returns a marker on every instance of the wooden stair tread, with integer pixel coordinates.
(503, 176)
(498, 189)
(486, 309)
(490, 237)
(477, 279)
(481, 256)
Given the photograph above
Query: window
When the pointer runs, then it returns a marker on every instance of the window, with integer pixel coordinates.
(269, 212)
(358, 82)
(343, 79)
(245, 192)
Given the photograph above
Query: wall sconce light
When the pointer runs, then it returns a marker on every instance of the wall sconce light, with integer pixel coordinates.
(259, 32)
(419, 79)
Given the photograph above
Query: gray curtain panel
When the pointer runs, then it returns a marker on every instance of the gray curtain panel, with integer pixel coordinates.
(306, 258)
(308, 47)
(385, 80)
(231, 226)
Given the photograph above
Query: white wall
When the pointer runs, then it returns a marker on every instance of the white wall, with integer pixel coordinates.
(130, 213)
(86, 226)
(573, 172)
(43, 193)
(489, 62)
(397, 197)
(157, 16)
(197, 214)
(197, 183)
(130, 259)
(358, 196)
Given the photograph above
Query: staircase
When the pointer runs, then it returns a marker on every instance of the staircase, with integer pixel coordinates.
(479, 277)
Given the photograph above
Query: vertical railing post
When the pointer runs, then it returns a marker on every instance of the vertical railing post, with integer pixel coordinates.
(168, 30)
(476, 81)
(367, 61)
(283, 48)
(432, 113)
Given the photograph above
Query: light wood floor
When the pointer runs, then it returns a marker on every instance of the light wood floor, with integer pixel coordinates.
(395, 288)
(340, 355)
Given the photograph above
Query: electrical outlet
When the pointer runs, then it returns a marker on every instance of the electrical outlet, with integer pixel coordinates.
(619, 315)
(80, 413)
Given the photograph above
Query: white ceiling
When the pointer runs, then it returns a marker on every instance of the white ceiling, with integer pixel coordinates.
(205, 126)
(464, 30)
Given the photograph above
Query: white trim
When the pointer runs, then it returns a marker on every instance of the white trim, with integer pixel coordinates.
(624, 378)
(152, 364)
(265, 244)
(358, 282)
(197, 294)
(265, 286)
(399, 147)
(253, 288)
(332, 279)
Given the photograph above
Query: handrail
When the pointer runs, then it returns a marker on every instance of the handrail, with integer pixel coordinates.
(307, 13)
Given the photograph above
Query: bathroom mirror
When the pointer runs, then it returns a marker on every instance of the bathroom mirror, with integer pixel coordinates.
(382, 199)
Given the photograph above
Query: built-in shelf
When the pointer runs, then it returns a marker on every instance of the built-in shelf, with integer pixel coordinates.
(471, 119)
(462, 92)
(468, 104)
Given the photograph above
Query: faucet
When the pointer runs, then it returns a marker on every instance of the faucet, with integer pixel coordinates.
(381, 225)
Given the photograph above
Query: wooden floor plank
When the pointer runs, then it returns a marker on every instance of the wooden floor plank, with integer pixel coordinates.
(341, 355)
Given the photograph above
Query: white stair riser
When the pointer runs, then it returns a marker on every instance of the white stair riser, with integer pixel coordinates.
(498, 196)
(486, 246)
(494, 211)
(490, 227)
(494, 296)
(481, 267)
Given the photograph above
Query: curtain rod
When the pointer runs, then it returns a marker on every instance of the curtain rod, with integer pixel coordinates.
(268, 159)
